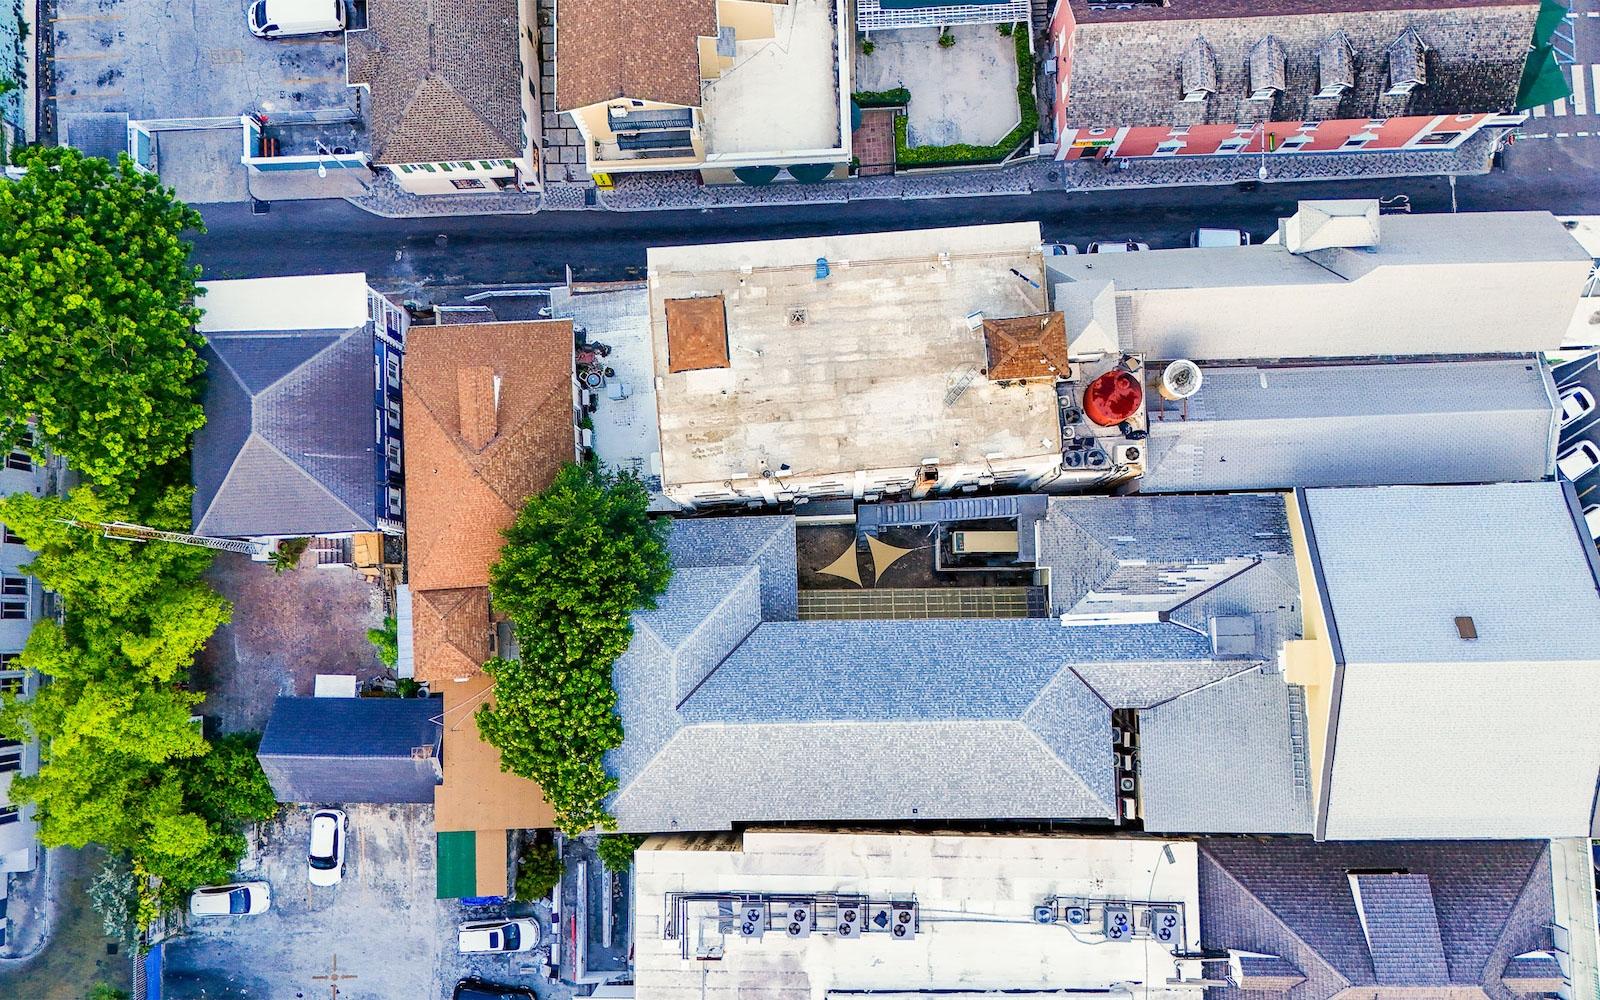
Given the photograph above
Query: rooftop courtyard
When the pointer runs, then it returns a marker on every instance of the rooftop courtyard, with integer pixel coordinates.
(781, 94)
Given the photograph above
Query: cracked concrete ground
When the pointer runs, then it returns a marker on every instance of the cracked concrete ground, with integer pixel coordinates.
(286, 629)
(165, 59)
(380, 928)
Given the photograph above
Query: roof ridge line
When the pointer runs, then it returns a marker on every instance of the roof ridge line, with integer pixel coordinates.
(1110, 807)
(308, 476)
(1276, 919)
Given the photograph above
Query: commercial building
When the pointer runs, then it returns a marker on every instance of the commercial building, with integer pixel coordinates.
(1297, 78)
(453, 92)
(1340, 281)
(490, 418)
(741, 90)
(907, 364)
(802, 915)
(302, 398)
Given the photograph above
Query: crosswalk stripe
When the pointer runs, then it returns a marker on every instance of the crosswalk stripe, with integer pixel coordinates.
(1580, 97)
(1559, 108)
(1538, 112)
(1594, 74)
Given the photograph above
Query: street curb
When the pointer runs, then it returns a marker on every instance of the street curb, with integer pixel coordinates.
(370, 210)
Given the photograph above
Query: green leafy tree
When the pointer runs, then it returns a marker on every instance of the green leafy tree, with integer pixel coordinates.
(114, 894)
(97, 322)
(538, 871)
(386, 641)
(583, 555)
(227, 785)
(616, 850)
(105, 991)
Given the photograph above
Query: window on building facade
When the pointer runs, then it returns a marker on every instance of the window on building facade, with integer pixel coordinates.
(13, 682)
(14, 586)
(9, 537)
(466, 184)
(1438, 138)
(9, 814)
(394, 502)
(13, 609)
(392, 362)
(19, 458)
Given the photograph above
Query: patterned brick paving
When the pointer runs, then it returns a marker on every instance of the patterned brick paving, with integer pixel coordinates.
(874, 143)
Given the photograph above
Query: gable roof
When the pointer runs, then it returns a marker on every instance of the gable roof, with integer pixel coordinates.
(976, 718)
(332, 750)
(647, 50)
(1280, 427)
(1026, 346)
(288, 445)
(1454, 912)
(445, 78)
(459, 498)
(450, 632)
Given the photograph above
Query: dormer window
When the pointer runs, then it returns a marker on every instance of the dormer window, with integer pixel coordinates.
(1336, 66)
(1408, 63)
(1268, 69)
(1198, 71)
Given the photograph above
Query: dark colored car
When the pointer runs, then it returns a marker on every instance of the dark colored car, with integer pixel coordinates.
(477, 989)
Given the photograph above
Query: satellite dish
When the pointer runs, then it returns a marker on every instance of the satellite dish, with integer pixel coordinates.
(1181, 380)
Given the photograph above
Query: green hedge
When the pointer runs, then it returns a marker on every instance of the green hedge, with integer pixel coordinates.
(896, 98)
(964, 153)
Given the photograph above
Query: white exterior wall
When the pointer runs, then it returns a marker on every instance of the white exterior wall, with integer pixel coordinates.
(1021, 474)
(1465, 750)
(18, 840)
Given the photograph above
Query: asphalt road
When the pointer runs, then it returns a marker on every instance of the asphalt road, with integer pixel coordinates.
(425, 257)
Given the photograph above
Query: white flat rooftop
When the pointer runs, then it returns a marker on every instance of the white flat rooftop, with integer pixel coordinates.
(975, 898)
(300, 302)
(781, 95)
(875, 366)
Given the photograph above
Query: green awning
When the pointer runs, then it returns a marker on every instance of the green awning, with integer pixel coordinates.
(855, 115)
(457, 856)
(1551, 14)
(1542, 80)
(810, 173)
(756, 176)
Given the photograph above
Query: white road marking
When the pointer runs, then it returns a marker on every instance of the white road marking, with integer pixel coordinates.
(1559, 108)
(1594, 74)
(1584, 134)
(1580, 95)
(1562, 135)
(1539, 112)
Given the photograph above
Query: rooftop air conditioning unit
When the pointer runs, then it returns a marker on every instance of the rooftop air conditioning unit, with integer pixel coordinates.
(1127, 454)
(905, 921)
(1117, 923)
(753, 920)
(1096, 458)
(849, 921)
(1076, 916)
(799, 924)
(1166, 924)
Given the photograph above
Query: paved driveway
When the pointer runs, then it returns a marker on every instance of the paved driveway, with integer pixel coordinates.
(380, 930)
(165, 59)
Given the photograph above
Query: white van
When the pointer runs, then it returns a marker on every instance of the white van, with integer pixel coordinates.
(282, 18)
(1219, 238)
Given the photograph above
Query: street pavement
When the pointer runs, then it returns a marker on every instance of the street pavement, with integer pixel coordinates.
(423, 258)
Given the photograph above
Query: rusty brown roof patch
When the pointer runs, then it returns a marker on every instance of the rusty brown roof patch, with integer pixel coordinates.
(697, 333)
(1026, 346)
(647, 50)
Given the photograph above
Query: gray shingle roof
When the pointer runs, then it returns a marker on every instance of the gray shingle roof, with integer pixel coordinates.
(734, 711)
(1402, 929)
(329, 750)
(1136, 553)
(1292, 899)
(288, 446)
(1355, 425)
(1219, 760)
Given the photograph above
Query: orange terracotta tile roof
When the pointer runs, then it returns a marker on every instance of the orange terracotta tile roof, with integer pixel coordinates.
(450, 633)
(476, 794)
(697, 333)
(647, 50)
(1027, 346)
(460, 493)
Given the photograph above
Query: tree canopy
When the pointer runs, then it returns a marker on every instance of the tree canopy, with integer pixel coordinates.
(97, 318)
(122, 764)
(582, 556)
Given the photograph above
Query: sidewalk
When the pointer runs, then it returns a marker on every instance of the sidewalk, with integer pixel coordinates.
(678, 190)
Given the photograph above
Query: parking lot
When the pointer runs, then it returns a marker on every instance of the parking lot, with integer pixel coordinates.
(380, 930)
(1583, 372)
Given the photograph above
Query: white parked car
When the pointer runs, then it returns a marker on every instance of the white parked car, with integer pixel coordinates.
(1579, 460)
(519, 934)
(1591, 517)
(1577, 402)
(327, 847)
(1117, 246)
(237, 899)
(1219, 238)
(283, 18)
(1060, 250)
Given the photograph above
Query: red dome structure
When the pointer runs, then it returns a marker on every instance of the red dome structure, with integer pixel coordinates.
(1112, 398)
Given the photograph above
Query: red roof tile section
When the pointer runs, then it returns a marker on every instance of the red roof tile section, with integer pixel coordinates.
(1027, 346)
(697, 334)
(647, 50)
(1094, 11)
